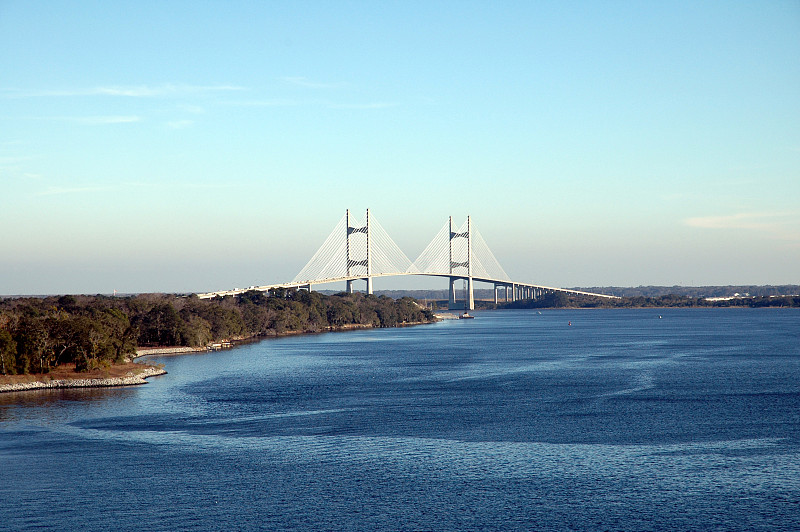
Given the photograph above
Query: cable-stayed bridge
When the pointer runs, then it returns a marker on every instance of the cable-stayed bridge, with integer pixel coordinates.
(361, 250)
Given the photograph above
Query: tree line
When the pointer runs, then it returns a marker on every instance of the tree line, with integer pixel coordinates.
(695, 291)
(565, 300)
(37, 334)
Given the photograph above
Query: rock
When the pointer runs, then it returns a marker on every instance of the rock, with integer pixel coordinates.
(128, 380)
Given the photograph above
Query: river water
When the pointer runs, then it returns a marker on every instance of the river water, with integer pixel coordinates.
(659, 419)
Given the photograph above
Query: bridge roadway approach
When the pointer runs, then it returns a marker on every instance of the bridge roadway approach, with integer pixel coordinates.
(509, 291)
(365, 251)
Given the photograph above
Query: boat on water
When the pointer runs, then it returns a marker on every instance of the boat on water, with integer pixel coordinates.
(466, 315)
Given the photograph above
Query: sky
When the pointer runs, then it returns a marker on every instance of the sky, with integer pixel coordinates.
(196, 146)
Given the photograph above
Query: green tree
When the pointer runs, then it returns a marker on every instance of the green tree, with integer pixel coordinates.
(32, 340)
(8, 352)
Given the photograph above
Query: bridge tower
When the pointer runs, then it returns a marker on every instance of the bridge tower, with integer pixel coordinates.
(367, 262)
(469, 304)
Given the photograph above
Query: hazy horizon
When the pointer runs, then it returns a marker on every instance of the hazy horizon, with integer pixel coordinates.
(480, 291)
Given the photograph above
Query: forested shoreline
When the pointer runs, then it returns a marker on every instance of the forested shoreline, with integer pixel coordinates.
(37, 334)
(564, 300)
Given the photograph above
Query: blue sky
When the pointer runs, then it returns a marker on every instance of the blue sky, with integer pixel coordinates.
(193, 146)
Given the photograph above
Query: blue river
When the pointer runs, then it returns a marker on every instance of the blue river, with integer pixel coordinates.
(664, 419)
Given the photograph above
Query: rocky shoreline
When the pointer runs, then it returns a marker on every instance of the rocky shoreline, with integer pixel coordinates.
(131, 379)
(177, 350)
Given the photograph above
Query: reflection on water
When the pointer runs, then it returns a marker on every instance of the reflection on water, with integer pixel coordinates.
(55, 404)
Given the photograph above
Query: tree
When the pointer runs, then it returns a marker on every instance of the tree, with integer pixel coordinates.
(8, 351)
(31, 337)
(160, 326)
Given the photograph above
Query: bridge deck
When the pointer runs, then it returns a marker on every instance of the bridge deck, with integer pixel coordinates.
(303, 284)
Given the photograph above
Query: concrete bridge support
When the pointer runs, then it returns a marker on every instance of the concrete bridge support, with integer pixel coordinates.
(469, 303)
(453, 302)
(504, 290)
(367, 262)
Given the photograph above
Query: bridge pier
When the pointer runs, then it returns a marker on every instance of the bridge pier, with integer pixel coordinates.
(350, 289)
(367, 262)
(469, 297)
